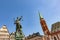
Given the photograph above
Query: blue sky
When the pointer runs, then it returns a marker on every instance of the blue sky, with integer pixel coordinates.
(10, 9)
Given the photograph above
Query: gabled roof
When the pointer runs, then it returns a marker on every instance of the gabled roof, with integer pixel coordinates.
(4, 30)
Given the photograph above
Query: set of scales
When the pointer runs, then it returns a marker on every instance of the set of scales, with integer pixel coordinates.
(18, 34)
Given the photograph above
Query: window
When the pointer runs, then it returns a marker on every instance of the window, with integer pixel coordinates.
(55, 38)
(35, 39)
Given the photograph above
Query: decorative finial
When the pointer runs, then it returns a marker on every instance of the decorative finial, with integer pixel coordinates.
(40, 16)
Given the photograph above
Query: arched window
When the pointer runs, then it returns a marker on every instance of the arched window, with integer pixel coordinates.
(55, 38)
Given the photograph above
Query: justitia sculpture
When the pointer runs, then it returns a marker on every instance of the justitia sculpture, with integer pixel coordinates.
(18, 34)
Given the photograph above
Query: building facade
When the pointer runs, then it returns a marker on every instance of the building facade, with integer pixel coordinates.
(55, 27)
(4, 33)
(55, 30)
(12, 36)
(34, 36)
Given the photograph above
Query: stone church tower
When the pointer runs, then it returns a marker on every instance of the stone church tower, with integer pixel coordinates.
(44, 25)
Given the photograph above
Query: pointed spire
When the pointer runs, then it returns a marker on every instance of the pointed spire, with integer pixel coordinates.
(40, 16)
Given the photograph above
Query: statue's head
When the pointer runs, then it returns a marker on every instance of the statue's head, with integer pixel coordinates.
(17, 21)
